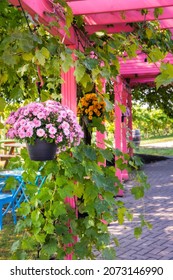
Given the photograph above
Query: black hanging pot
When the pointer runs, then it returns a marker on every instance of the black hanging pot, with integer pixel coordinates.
(41, 150)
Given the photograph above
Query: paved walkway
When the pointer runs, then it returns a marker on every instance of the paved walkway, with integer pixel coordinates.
(157, 205)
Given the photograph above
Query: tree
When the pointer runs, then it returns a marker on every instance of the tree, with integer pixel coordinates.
(161, 98)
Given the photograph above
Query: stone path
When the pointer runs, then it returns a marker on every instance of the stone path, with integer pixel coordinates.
(157, 206)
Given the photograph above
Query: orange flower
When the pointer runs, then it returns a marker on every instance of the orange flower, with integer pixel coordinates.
(91, 105)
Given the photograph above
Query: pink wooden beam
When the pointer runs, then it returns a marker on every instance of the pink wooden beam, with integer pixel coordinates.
(40, 10)
(102, 6)
(166, 23)
(109, 29)
(140, 70)
(142, 80)
(129, 16)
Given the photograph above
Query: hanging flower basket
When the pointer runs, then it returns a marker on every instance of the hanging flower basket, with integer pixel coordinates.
(44, 127)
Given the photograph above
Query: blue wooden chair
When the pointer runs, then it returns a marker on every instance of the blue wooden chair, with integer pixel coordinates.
(10, 201)
(2, 184)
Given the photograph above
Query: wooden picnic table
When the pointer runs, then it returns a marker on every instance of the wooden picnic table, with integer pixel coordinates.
(10, 151)
(13, 146)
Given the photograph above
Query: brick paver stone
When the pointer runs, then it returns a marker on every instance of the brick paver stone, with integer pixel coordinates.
(158, 208)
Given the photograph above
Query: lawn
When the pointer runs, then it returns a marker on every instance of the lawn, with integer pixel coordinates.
(158, 151)
(154, 151)
(7, 237)
(157, 139)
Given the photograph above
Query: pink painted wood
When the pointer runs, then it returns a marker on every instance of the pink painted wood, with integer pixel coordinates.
(101, 136)
(68, 90)
(129, 16)
(120, 27)
(118, 87)
(130, 150)
(125, 175)
(102, 6)
(41, 9)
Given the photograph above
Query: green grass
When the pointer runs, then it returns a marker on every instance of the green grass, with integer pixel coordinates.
(155, 151)
(7, 237)
(158, 151)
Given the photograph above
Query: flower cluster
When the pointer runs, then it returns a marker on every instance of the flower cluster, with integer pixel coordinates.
(48, 121)
(91, 105)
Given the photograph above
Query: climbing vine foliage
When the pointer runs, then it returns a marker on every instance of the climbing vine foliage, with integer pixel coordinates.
(48, 224)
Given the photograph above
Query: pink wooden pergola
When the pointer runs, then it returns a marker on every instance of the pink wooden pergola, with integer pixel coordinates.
(111, 16)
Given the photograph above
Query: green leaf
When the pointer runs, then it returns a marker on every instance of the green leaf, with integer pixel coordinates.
(101, 206)
(49, 228)
(166, 76)
(40, 57)
(121, 214)
(79, 72)
(45, 194)
(149, 33)
(107, 154)
(3, 79)
(11, 183)
(137, 232)
(67, 61)
(90, 193)
(28, 243)
(58, 209)
(109, 254)
(27, 56)
(2, 104)
(138, 192)
(15, 246)
(45, 52)
(69, 16)
(155, 55)
(89, 222)
(35, 216)
(40, 238)
(116, 242)
(158, 12)
(50, 247)
(9, 59)
(90, 63)
(90, 152)
(24, 209)
(78, 189)
(66, 191)
(1, 125)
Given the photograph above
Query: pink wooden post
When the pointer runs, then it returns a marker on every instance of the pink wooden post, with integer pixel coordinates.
(101, 136)
(69, 90)
(118, 87)
(69, 98)
(124, 131)
(130, 122)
